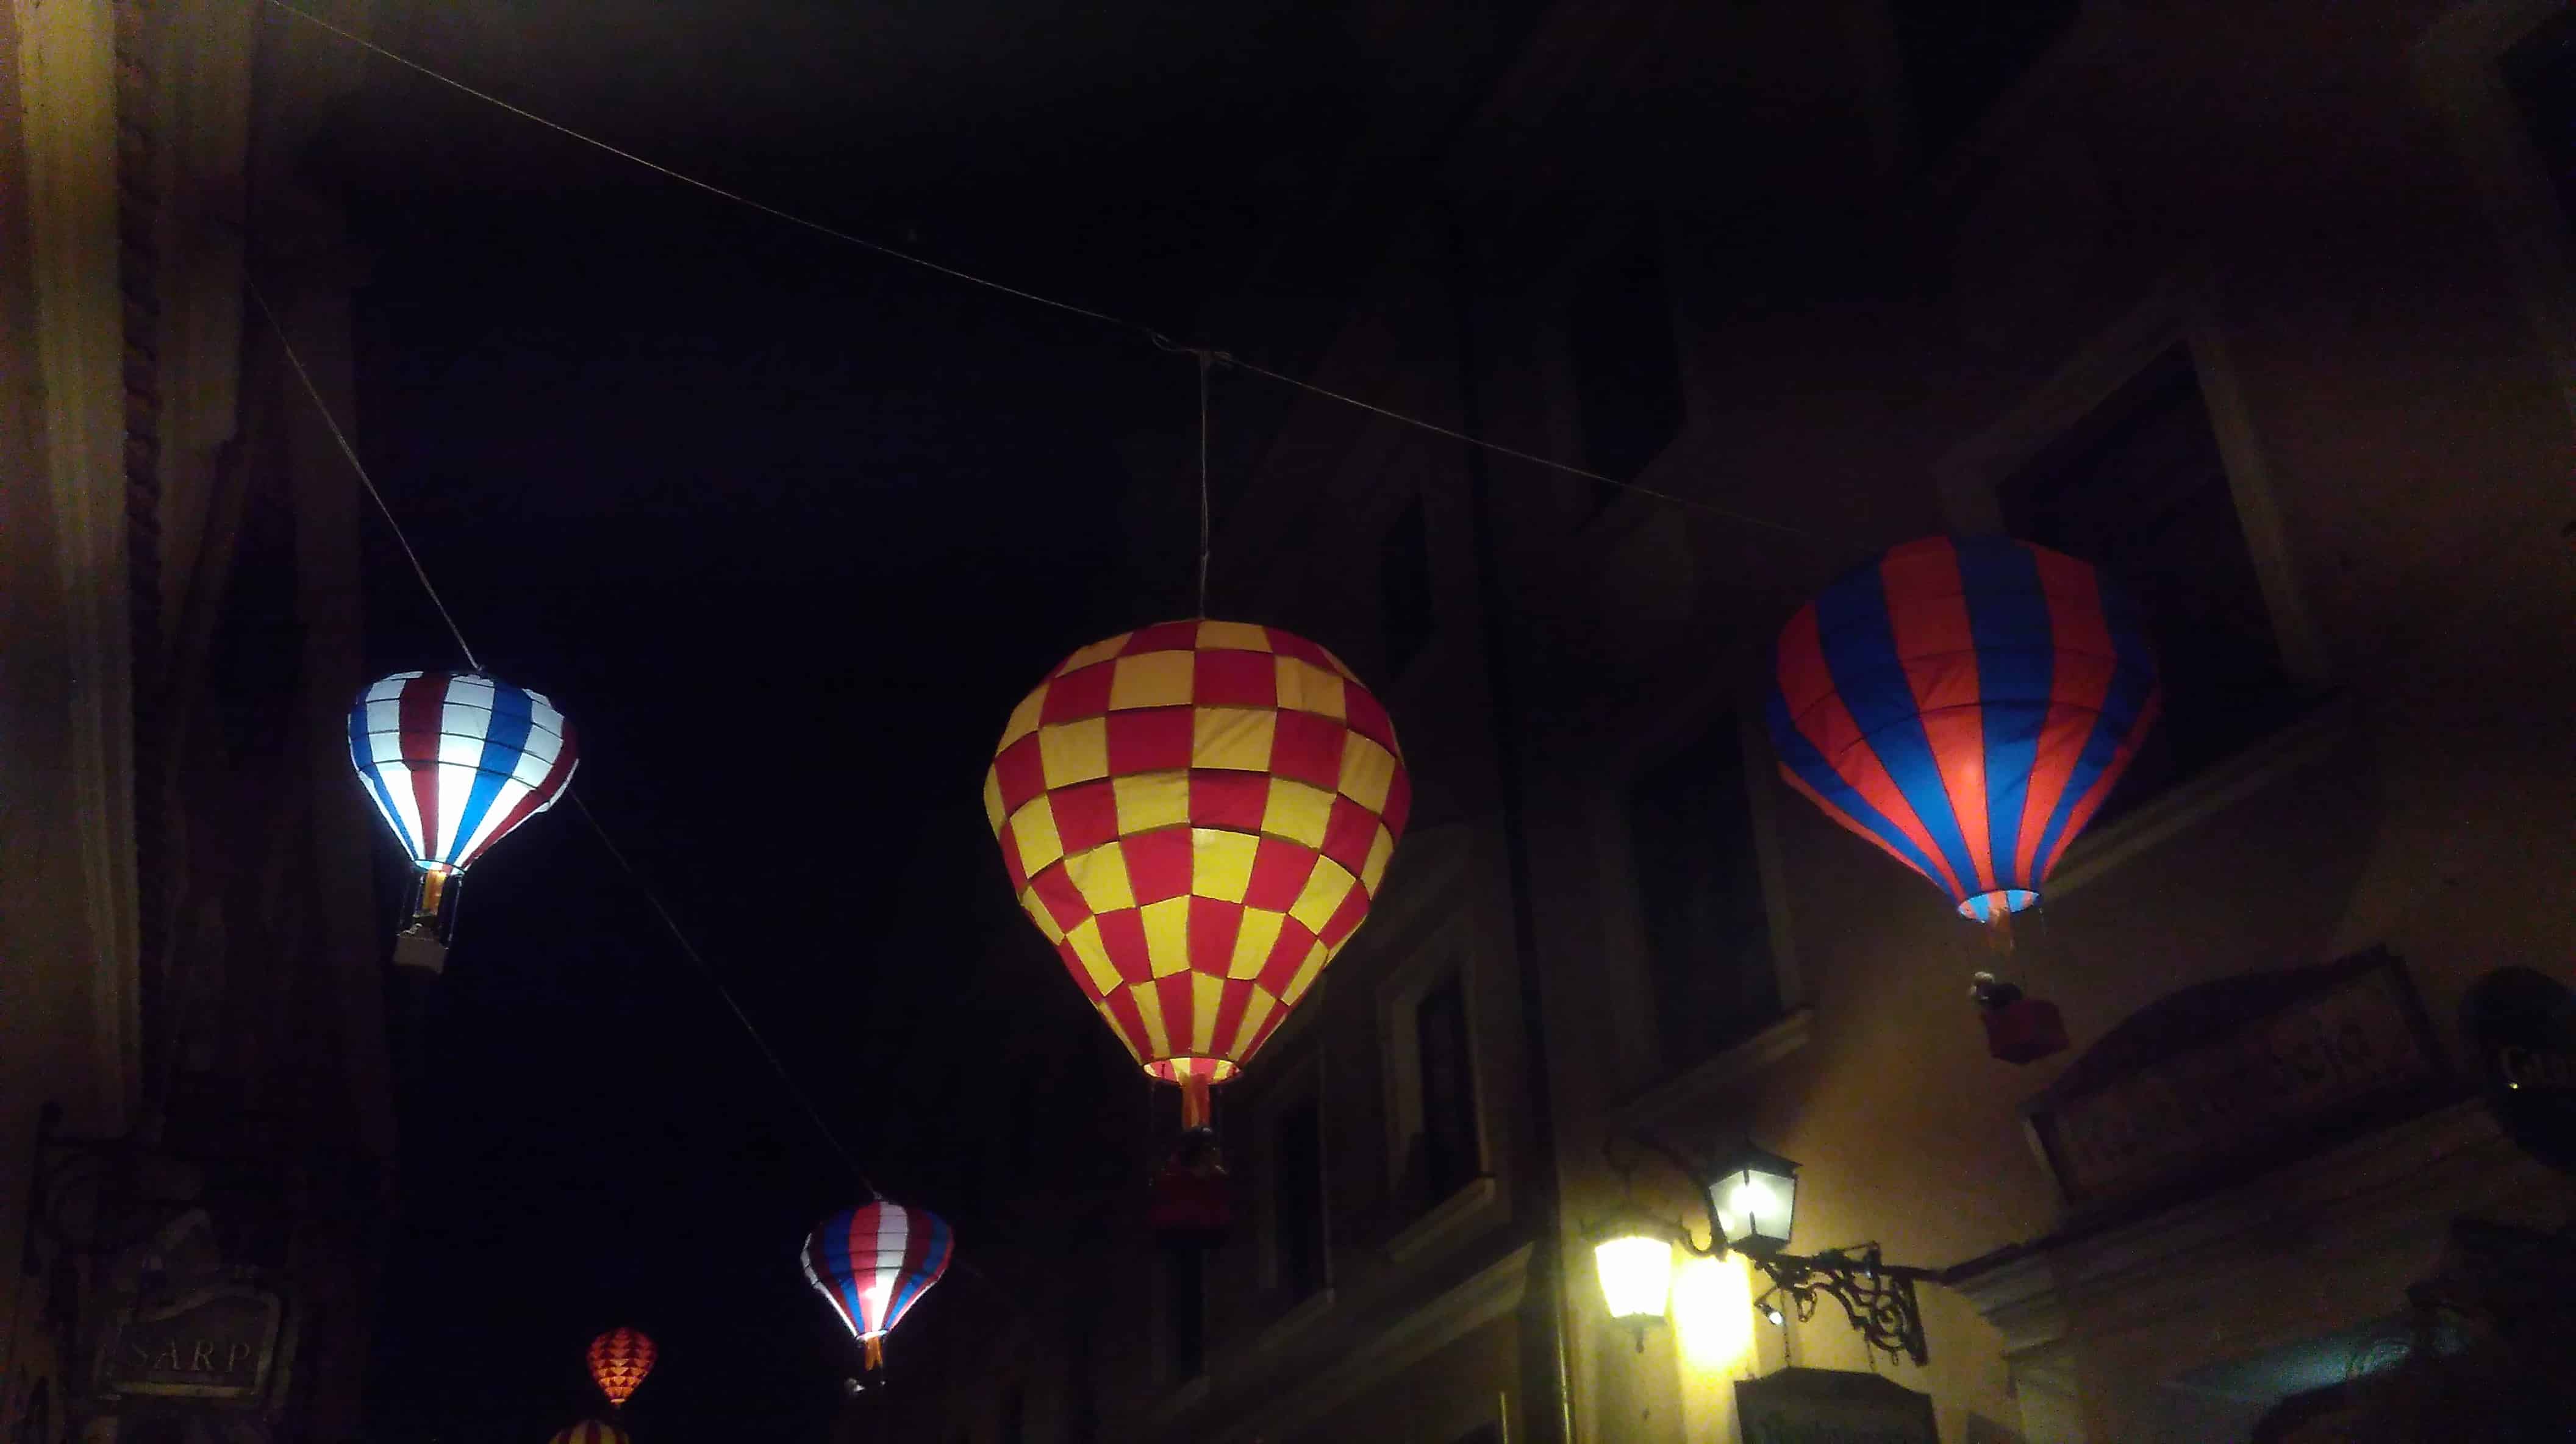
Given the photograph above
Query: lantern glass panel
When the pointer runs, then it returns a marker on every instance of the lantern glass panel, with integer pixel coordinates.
(1754, 1205)
(1636, 1275)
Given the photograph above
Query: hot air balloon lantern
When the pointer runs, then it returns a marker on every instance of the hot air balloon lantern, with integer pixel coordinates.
(454, 762)
(1197, 815)
(591, 1431)
(619, 1360)
(873, 1263)
(1967, 705)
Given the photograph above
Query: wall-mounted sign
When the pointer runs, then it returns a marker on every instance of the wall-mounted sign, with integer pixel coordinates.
(1832, 1406)
(2237, 1072)
(211, 1343)
(2522, 1027)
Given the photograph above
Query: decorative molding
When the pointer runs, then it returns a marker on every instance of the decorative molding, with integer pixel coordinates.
(1488, 1295)
(1734, 1065)
(2293, 749)
(1478, 1206)
(1285, 1329)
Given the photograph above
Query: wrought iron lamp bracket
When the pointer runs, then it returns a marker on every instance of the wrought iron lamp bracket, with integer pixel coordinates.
(1877, 1297)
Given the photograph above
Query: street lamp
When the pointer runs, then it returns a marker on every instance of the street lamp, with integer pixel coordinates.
(1752, 1197)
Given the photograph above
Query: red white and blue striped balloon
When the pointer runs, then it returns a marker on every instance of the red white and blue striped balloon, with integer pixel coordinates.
(1966, 705)
(454, 762)
(874, 1262)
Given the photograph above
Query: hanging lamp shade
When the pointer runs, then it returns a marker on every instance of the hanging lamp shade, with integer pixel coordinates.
(1197, 815)
(873, 1263)
(1966, 705)
(619, 1360)
(591, 1431)
(454, 762)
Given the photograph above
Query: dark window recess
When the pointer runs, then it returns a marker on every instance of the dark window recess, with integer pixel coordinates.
(1450, 1158)
(1699, 884)
(1185, 1310)
(2140, 491)
(1627, 372)
(1297, 1158)
(1960, 56)
(1483, 1434)
(2542, 73)
(1404, 587)
(1015, 1417)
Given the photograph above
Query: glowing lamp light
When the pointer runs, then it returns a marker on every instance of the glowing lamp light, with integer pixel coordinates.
(1636, 1276)
(1713, 1311)
(591, 1431)
(1753, 1197)
(454, 762)
(1966, 705)
(873, 1263)
(619, 1360)
(1197, 815)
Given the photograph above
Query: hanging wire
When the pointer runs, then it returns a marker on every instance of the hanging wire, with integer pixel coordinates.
(360, 467)
(1105, 318)
(617, 854)
(1205, 361)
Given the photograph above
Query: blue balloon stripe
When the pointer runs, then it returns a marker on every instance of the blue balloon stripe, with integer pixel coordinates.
(361, 753)
(1801, 757)
(2008, 616)
(505, 736)
(2132, 682)
(1859, 644)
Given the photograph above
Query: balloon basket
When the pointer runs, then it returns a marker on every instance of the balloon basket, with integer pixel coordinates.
(2025, 1031)
(422, 943)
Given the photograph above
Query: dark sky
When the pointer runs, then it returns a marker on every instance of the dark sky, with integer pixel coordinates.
(785, 528)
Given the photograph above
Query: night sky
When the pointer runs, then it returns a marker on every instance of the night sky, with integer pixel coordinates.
(785, 528)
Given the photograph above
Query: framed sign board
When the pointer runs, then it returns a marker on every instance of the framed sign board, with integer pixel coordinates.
(2227, 1075)
(1832, 1406)
(212, 1343)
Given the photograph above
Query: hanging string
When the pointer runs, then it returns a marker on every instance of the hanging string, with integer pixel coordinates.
(1205, 361)
(324, 409)
(617, 854)
(1105, 318)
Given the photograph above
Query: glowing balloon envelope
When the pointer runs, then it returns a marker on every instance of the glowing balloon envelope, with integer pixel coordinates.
(1197, 815)
(591, 1431)
(619, 1360)
(873, 1263)
(1966, 705)
(454, 762)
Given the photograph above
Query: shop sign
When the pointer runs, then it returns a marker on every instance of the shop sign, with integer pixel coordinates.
(1832, 1406)
(211, 1343)
(2521, 1025)
(2239, 1072)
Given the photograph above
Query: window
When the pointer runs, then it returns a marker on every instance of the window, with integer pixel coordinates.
(1450, 1156)
(2541, 72)
(1404, 587)
(2140, 490)
(1627, 372)
(1960, 56)
(1297, 1182)
(1699, 884)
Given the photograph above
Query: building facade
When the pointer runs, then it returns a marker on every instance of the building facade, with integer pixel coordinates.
(2265, 312)
(195, 1108)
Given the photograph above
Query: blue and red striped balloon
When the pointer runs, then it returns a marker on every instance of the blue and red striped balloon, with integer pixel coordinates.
(1966, 705)
(873, 1263)
(455, 762)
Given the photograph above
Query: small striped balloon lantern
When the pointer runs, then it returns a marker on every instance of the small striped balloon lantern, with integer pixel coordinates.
(1966, 705)
(1197, 815)
(873, 1263)
(454, 762)
(590, 1431)
(619, 1360)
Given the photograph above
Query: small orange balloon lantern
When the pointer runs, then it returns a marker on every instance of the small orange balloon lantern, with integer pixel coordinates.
(1197, 814)
(619, 1360)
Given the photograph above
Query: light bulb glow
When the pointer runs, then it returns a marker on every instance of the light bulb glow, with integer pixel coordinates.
(1636, 1275)
(1713, 1311)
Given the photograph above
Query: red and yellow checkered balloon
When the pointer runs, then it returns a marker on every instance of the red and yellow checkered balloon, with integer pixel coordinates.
(1197, 815)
